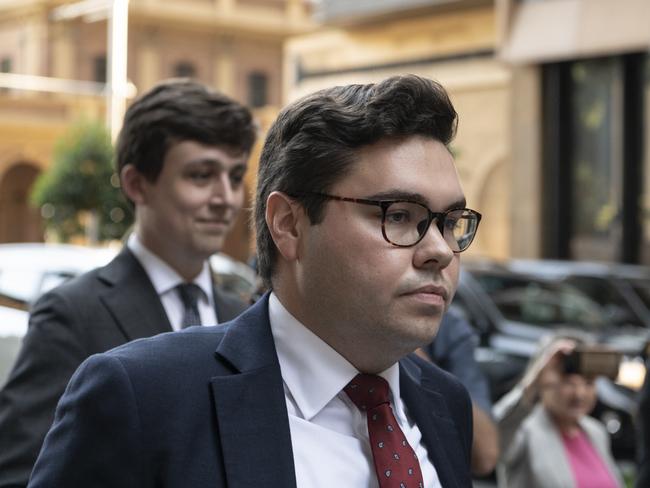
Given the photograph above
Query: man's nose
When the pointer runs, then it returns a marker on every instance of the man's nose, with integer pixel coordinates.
(222, 190)
(433, 248)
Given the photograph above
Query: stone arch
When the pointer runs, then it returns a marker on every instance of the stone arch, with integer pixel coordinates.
(494, 203)
(19, 221)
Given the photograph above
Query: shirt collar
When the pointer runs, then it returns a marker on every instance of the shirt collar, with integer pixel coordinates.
(163, 277)
(304, 356)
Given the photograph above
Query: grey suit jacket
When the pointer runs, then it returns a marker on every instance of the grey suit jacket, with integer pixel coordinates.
(533, 454)
(93, 313)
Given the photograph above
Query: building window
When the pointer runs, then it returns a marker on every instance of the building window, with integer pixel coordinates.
(593, 119)
(99, 68)
(596, 158)
(184, 69)
(258, 89)
(645, 180)
(5, 65)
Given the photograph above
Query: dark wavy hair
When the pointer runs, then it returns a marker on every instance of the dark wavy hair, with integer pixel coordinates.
(314, 141)
(177, 110)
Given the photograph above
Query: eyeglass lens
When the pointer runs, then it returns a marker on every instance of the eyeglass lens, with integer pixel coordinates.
(406, 222)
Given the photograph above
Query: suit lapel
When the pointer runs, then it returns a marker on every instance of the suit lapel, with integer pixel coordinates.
(429, 411)
(253, 422)
(131, 298)
(250, 405)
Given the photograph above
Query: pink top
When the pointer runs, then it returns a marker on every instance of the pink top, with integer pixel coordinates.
(589, 470)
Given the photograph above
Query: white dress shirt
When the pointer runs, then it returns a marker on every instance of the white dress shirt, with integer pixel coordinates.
(165, 280)
(328, 432)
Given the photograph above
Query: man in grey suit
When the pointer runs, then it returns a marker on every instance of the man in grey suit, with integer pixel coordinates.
(181, 157)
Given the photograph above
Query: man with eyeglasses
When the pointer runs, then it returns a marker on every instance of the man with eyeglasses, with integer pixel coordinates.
(360, 220)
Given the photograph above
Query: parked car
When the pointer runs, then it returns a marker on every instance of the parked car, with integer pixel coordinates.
(622, 289)
(27, 270)
(234, 276)
(13, 326)
(512, 311)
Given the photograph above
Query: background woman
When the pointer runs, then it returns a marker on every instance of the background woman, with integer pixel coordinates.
(547, 437)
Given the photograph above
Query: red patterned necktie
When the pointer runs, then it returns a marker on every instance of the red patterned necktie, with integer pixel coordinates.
(396, 463)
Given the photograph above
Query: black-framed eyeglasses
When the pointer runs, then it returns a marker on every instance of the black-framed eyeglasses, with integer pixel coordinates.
(404, 223)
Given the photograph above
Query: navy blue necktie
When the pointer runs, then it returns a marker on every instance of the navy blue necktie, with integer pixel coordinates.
(189, 293)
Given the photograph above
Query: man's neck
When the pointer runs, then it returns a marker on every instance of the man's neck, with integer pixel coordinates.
(360, 354)
(188, 269)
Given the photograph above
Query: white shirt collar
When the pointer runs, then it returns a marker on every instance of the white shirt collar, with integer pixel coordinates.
(305, 357)
(163, 277)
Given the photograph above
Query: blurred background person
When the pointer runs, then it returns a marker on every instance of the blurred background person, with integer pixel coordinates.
(181, 156)
(643, 473)
(547, 437)
(453, 350)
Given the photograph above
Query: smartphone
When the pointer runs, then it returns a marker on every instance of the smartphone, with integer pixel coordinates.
(593, 361)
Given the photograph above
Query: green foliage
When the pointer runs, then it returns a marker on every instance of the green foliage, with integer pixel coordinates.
(81, 183)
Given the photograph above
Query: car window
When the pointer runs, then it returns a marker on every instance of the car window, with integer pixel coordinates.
(598, 289)
(236, 285)
(541, 303)
(642, 288)
(606, 293)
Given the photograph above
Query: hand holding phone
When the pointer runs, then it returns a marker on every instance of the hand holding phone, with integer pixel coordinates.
(593, 361)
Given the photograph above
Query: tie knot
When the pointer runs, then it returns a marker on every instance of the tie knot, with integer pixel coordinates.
(367, 391)
(189, 293)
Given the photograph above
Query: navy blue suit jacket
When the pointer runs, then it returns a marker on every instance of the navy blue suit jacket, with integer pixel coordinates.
(205, 407)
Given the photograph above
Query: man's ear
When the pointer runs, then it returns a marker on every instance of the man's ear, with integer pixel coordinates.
(283, 217)
(132, 182)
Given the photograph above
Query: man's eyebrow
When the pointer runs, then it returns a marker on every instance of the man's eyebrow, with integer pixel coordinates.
(413, 197)
(208, 161)
(218, 163)
(462, 203)
(398, 195)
